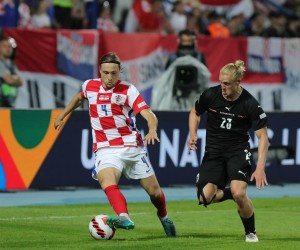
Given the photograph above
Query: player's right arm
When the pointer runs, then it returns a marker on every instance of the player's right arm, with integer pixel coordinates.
(74, 103)
(194, 121)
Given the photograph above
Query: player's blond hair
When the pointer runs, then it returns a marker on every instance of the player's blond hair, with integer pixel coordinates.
(236, 70)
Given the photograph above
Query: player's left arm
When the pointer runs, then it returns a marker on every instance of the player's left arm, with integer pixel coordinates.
(259, 174)
(151, 118)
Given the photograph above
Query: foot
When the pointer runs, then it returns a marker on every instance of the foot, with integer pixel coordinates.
(169, 227)
(251, 237)
(120, 222)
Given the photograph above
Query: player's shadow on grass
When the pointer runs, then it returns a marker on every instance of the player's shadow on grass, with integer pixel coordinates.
(193, 235)
(281, 239)
(206, 235)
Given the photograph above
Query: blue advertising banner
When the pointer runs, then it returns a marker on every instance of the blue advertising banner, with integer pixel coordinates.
(71, 160)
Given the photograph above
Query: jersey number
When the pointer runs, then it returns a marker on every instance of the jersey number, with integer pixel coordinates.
(103, 108)
(226, 123)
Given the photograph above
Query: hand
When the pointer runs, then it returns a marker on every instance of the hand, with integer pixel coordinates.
(192, 143)
(260, 178)
(17, 81)
(151, 137)
(58, 123)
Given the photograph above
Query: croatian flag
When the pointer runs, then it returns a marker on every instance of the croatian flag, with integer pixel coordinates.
(77, 53)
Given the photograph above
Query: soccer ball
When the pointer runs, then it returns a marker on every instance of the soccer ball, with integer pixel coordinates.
(99, 230)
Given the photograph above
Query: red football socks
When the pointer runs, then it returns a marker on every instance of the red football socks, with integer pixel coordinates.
(160, 204)
(116, 199)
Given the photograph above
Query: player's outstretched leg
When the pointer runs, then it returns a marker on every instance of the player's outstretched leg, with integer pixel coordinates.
(123, 222)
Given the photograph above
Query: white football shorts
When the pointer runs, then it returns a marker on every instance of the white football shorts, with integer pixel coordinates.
(132, 161)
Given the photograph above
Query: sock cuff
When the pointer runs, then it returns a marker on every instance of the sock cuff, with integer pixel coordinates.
(111, 187)
(249, 218)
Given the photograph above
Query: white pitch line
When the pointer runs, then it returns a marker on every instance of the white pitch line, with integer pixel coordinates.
(55, 217)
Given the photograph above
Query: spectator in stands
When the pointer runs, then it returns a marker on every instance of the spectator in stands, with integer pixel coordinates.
(257, 24)
(120, 12)
(8, 14)
(293, 27)
(278, 26)
(93, 9)
(10, 78)
(24, 15)
(196, 21)
(40, 18)
(51, 14)
(112, 5)
(178, 17)
(187, 45)
(91, 14)
(215, 27)
(78, 14)
(147, 16)
(236, 25)
(168, 6)
(105, 22)
(62, 11)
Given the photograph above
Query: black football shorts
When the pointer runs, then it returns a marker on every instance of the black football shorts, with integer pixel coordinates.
(221, 168)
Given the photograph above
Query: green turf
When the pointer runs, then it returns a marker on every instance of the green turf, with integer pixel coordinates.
(215, 227)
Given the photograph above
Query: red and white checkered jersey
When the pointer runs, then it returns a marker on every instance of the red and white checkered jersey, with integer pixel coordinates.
(112, 113)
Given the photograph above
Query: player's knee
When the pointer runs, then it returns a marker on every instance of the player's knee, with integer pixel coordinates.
(154, 191)
(239, 197)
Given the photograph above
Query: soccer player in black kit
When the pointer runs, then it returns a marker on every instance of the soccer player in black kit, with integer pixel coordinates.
(231, 112)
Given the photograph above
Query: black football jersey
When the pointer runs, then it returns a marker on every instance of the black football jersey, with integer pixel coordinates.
(228, 122)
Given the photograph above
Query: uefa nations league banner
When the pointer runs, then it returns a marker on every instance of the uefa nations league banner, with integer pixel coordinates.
(34, 155)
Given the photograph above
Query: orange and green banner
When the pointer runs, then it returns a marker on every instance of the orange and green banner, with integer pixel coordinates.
(26, 137)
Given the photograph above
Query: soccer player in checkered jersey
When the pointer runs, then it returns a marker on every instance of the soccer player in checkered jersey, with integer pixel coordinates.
(231, 112)
(117, 143)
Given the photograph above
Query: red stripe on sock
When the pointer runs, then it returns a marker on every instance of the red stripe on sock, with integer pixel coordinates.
(160, 204)
(116, 199)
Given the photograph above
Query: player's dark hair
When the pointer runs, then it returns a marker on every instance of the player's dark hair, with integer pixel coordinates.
(110, 58)
(236, 70)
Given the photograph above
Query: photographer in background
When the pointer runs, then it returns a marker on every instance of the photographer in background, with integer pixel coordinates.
(187, 45)
(10, 78)
(186, 76)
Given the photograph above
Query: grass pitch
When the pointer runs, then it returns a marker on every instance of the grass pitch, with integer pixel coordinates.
(215, 227)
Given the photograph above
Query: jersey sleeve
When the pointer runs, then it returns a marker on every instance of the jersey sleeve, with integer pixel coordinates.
(83, 90)
(135, 100)
(201, 105)
(257, 114)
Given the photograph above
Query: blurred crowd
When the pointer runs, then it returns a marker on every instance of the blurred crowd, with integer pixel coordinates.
(266, 18)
